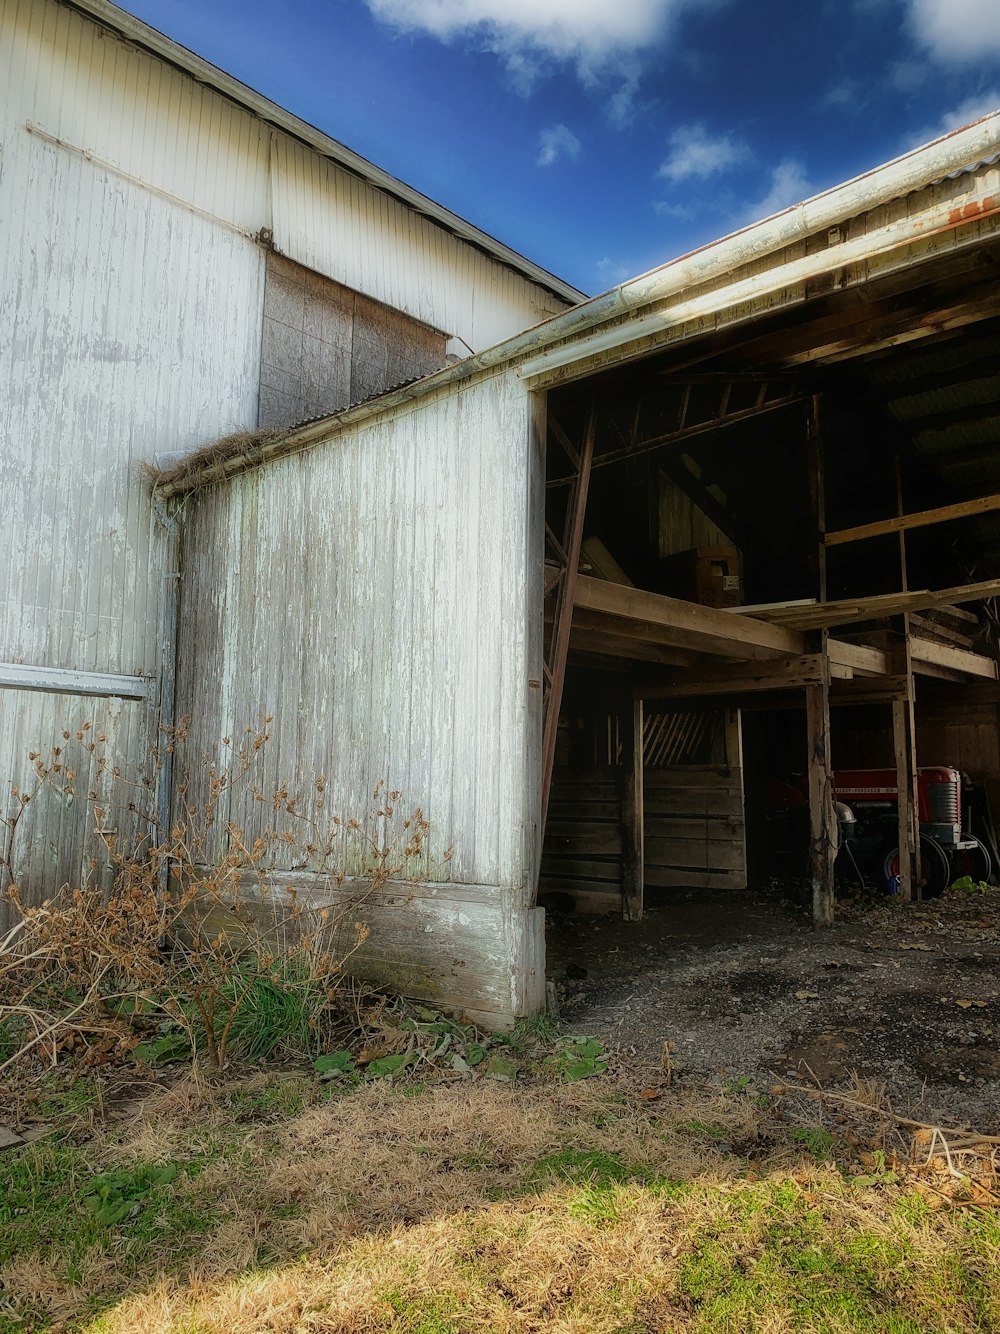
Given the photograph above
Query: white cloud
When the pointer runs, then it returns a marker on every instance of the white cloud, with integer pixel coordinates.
(969, 110)
(789, 185)
(957, 30)
(603, 41)
(694, 152)
(554, 142)
(612, 270)
(588, 31)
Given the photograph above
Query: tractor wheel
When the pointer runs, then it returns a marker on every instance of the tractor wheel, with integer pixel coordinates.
(935, 871)
(975, 862)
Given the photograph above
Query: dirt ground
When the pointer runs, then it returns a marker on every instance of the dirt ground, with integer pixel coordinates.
(742, 986)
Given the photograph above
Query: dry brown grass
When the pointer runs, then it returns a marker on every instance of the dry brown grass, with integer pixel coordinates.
(239, 444)
(480, 1206)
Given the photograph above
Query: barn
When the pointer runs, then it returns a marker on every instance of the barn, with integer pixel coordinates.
(583, 596)
(182, 260)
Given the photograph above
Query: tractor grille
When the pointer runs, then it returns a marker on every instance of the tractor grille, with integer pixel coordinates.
(943, 799)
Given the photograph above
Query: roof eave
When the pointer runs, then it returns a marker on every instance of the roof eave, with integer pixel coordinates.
(165, 48)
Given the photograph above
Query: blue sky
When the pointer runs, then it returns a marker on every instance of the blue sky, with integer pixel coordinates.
(603, 137)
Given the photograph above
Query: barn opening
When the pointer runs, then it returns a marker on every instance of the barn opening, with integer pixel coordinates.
(787, 537)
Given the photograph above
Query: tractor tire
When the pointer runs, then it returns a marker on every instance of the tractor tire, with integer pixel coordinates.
(935, 869)
(975, 862)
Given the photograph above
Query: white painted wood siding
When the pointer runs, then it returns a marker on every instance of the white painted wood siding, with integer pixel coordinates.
(75, 81)
(372, 595)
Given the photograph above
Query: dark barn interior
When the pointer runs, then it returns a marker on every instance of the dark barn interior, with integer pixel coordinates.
(772, 558)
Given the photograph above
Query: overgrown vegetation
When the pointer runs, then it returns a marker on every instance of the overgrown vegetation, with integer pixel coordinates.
(393, 1168)
(187, 940)
(440, 1201)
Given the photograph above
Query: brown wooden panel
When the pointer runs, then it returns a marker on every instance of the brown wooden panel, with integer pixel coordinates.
(603, 840)
(560, 811)
(711, 854)
(668, 878)
(714, 826)
(721, 801)
(608, 872)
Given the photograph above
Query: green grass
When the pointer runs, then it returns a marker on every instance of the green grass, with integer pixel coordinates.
(442, 1207)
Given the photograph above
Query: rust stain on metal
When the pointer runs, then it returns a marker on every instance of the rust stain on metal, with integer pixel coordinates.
(979, 208)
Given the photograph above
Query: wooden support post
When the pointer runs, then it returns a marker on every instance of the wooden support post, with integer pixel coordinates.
(563, 619)
(909, 837)
(904, 736)
(822, 816)
(633, 837)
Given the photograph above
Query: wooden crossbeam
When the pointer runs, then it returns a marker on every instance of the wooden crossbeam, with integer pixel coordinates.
(922, 519)
(848, 611)
(745, 678)
(954, 659)
(687, 624)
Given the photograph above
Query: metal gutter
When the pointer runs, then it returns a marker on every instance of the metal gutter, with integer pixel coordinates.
(165, 48)
(575, 335)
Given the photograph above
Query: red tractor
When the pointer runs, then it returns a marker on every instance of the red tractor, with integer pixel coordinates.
(948, 847)
(867, 804)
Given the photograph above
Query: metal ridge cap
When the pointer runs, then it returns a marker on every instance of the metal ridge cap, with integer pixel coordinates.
(203, 71)
(960, 150)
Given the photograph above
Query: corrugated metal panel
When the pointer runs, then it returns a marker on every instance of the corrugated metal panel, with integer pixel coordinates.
(133, 328)
(78, 82)
(55, 843)
(111, 360)
(371, 596)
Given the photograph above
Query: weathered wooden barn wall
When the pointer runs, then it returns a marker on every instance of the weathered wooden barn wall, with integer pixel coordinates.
(132, 299)
(374, 594)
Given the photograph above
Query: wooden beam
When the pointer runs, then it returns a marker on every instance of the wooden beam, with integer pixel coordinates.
(737, 678)
(563, 616)
(904, 749)
(822, 815)
(954, 659)
(867, 690)
(633, 837)
(859, 657)
(587, 639)
(849, 611)
(922, 519)
(708, 629)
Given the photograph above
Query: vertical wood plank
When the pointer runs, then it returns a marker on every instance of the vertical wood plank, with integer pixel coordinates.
(822, 818)
(633, 836)
(904, 783)
(904, 734)
(564, 607)
(734, 759)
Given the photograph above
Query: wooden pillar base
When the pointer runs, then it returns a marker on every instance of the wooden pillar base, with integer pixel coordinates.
(822, 815)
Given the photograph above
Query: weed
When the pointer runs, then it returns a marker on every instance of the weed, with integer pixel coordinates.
(817, 1139)
(193, 948)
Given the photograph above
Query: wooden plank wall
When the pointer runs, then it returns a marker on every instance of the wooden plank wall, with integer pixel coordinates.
(695, 827)
(582, 857)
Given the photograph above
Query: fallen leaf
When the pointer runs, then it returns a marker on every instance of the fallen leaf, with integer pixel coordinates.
(648, 1094)
(913, 945)
(968, 1004)
(807, 995)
